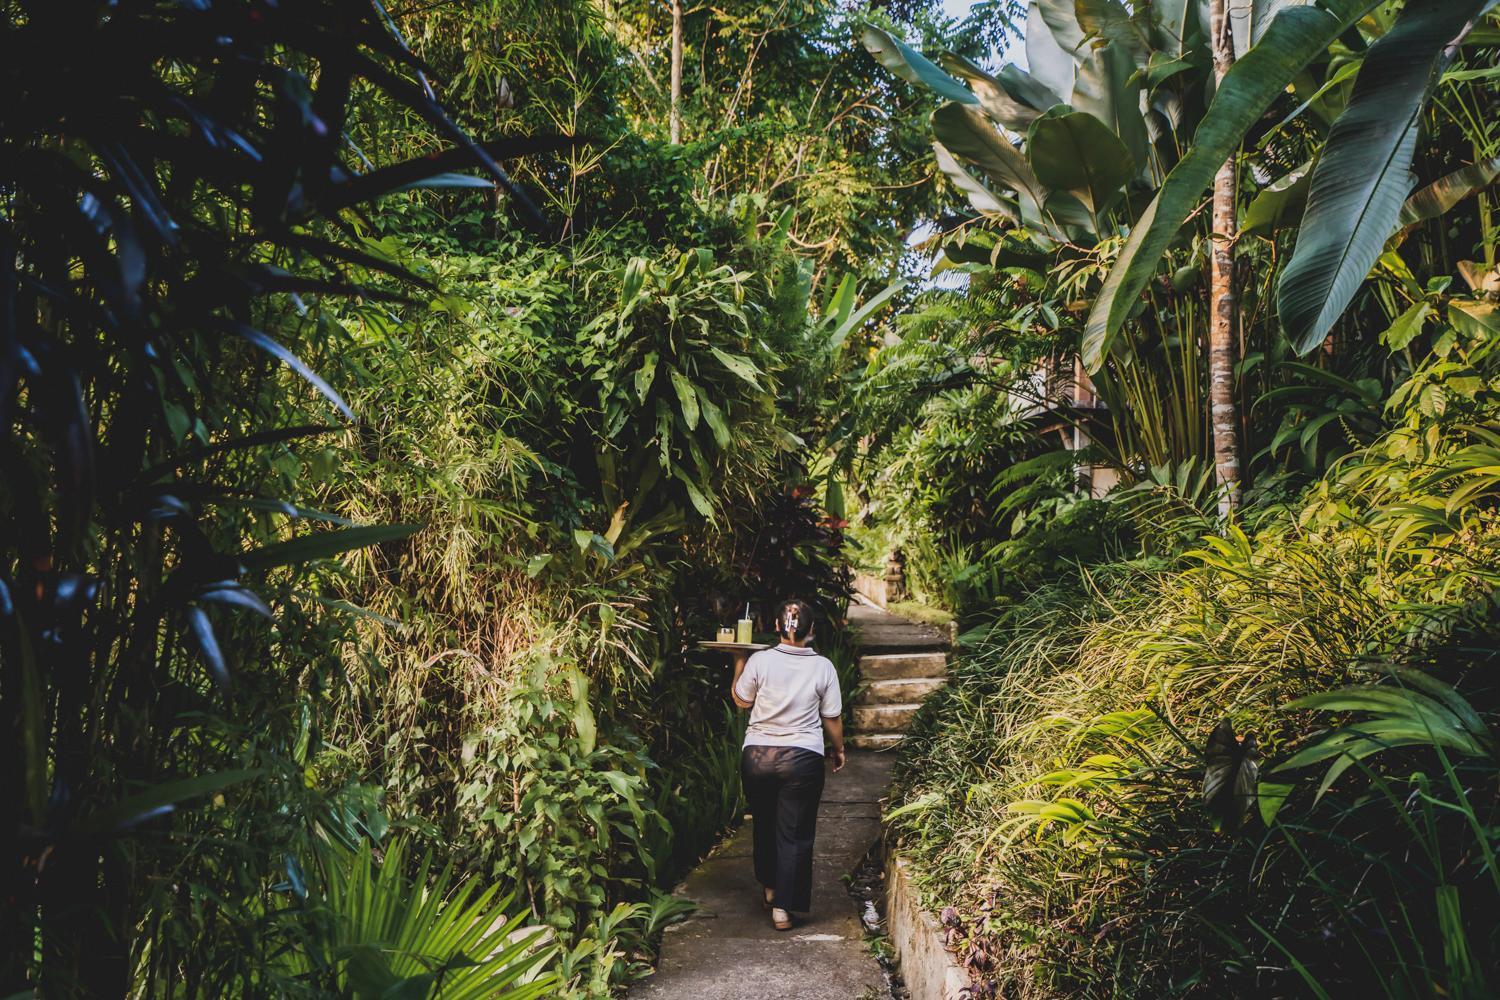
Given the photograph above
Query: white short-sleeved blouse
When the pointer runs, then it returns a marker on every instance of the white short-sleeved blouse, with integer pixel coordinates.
(792, 689)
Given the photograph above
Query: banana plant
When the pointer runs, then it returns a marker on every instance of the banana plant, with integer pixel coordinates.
(1058, 148)
(1359, 187)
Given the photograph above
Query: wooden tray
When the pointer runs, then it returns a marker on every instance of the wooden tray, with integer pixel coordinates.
(733, 647)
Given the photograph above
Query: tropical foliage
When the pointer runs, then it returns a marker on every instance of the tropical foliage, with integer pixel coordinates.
(390, 396)
(356, 482)
(1192, 755)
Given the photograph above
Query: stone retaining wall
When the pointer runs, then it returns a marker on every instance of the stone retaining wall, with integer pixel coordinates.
(929, 970)
(872, 587)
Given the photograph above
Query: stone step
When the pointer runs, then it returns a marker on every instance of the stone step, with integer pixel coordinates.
(889, 666)
(873, 741)
(885, 643)
(884, 718)
(898, 690)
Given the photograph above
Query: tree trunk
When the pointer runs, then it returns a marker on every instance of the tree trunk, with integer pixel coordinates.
(674, 125)
(1223, 323)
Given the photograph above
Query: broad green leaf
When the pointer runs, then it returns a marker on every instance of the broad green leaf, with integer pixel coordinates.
(1230, 774)
(1109, 20)
(1048, 61)
(1074, 151)
(1061, 19)
(997, 102)
(1270, 796)
(714, 417)
(583, 715)
(1030, 90)
(536, 564)
(1104, 89)
(1278, 203)
(910, 65)
(1160, 67)
(634, 279)
(1364, 174)
(449, 180)
(841, 303)
(695, 493)
(1295, 38)
(833, 499)
(645, 375)
(1261, 14)
(688, 398)
(982, 198)
(1174, 26)
(740, 366)
(864, 312)
(1475, 317)
(323, 545)
(969, 135)
(1442, 194)
(1404, 329)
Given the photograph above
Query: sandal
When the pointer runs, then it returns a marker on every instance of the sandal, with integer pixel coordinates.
(767, 894)
(780, 919)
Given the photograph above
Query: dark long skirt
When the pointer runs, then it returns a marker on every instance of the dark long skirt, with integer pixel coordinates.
(783, 786)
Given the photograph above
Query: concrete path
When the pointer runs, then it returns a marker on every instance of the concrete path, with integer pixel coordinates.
(728, 949)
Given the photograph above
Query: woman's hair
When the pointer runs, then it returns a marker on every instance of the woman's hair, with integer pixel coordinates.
(795, 619)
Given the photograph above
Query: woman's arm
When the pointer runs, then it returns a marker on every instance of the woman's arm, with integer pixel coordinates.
(834, 727)
(734, 686)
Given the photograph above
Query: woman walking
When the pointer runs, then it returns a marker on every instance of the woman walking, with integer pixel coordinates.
(793, 697)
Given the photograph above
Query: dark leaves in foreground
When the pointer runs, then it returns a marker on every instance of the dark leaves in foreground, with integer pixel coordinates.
(1230, 775)
(174, 181)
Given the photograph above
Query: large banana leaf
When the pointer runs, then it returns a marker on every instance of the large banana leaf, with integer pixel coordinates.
(1074, 151)
(1248, 19)
(1061, 19)
(1295, 37)
(982, 198)
(967, 134)
(912, 66)
(1107, 89)
(1450, 189)
(1047, 60)
(1029, 89)
(1279, 203)
(1364, 175)
(996, 100)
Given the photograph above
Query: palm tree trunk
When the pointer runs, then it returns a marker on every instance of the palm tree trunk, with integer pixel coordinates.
(674, 124)
(1223, 301)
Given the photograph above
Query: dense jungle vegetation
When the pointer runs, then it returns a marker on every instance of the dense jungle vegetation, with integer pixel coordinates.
(391, 393)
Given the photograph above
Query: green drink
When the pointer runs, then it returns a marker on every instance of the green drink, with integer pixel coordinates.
(744, 630)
